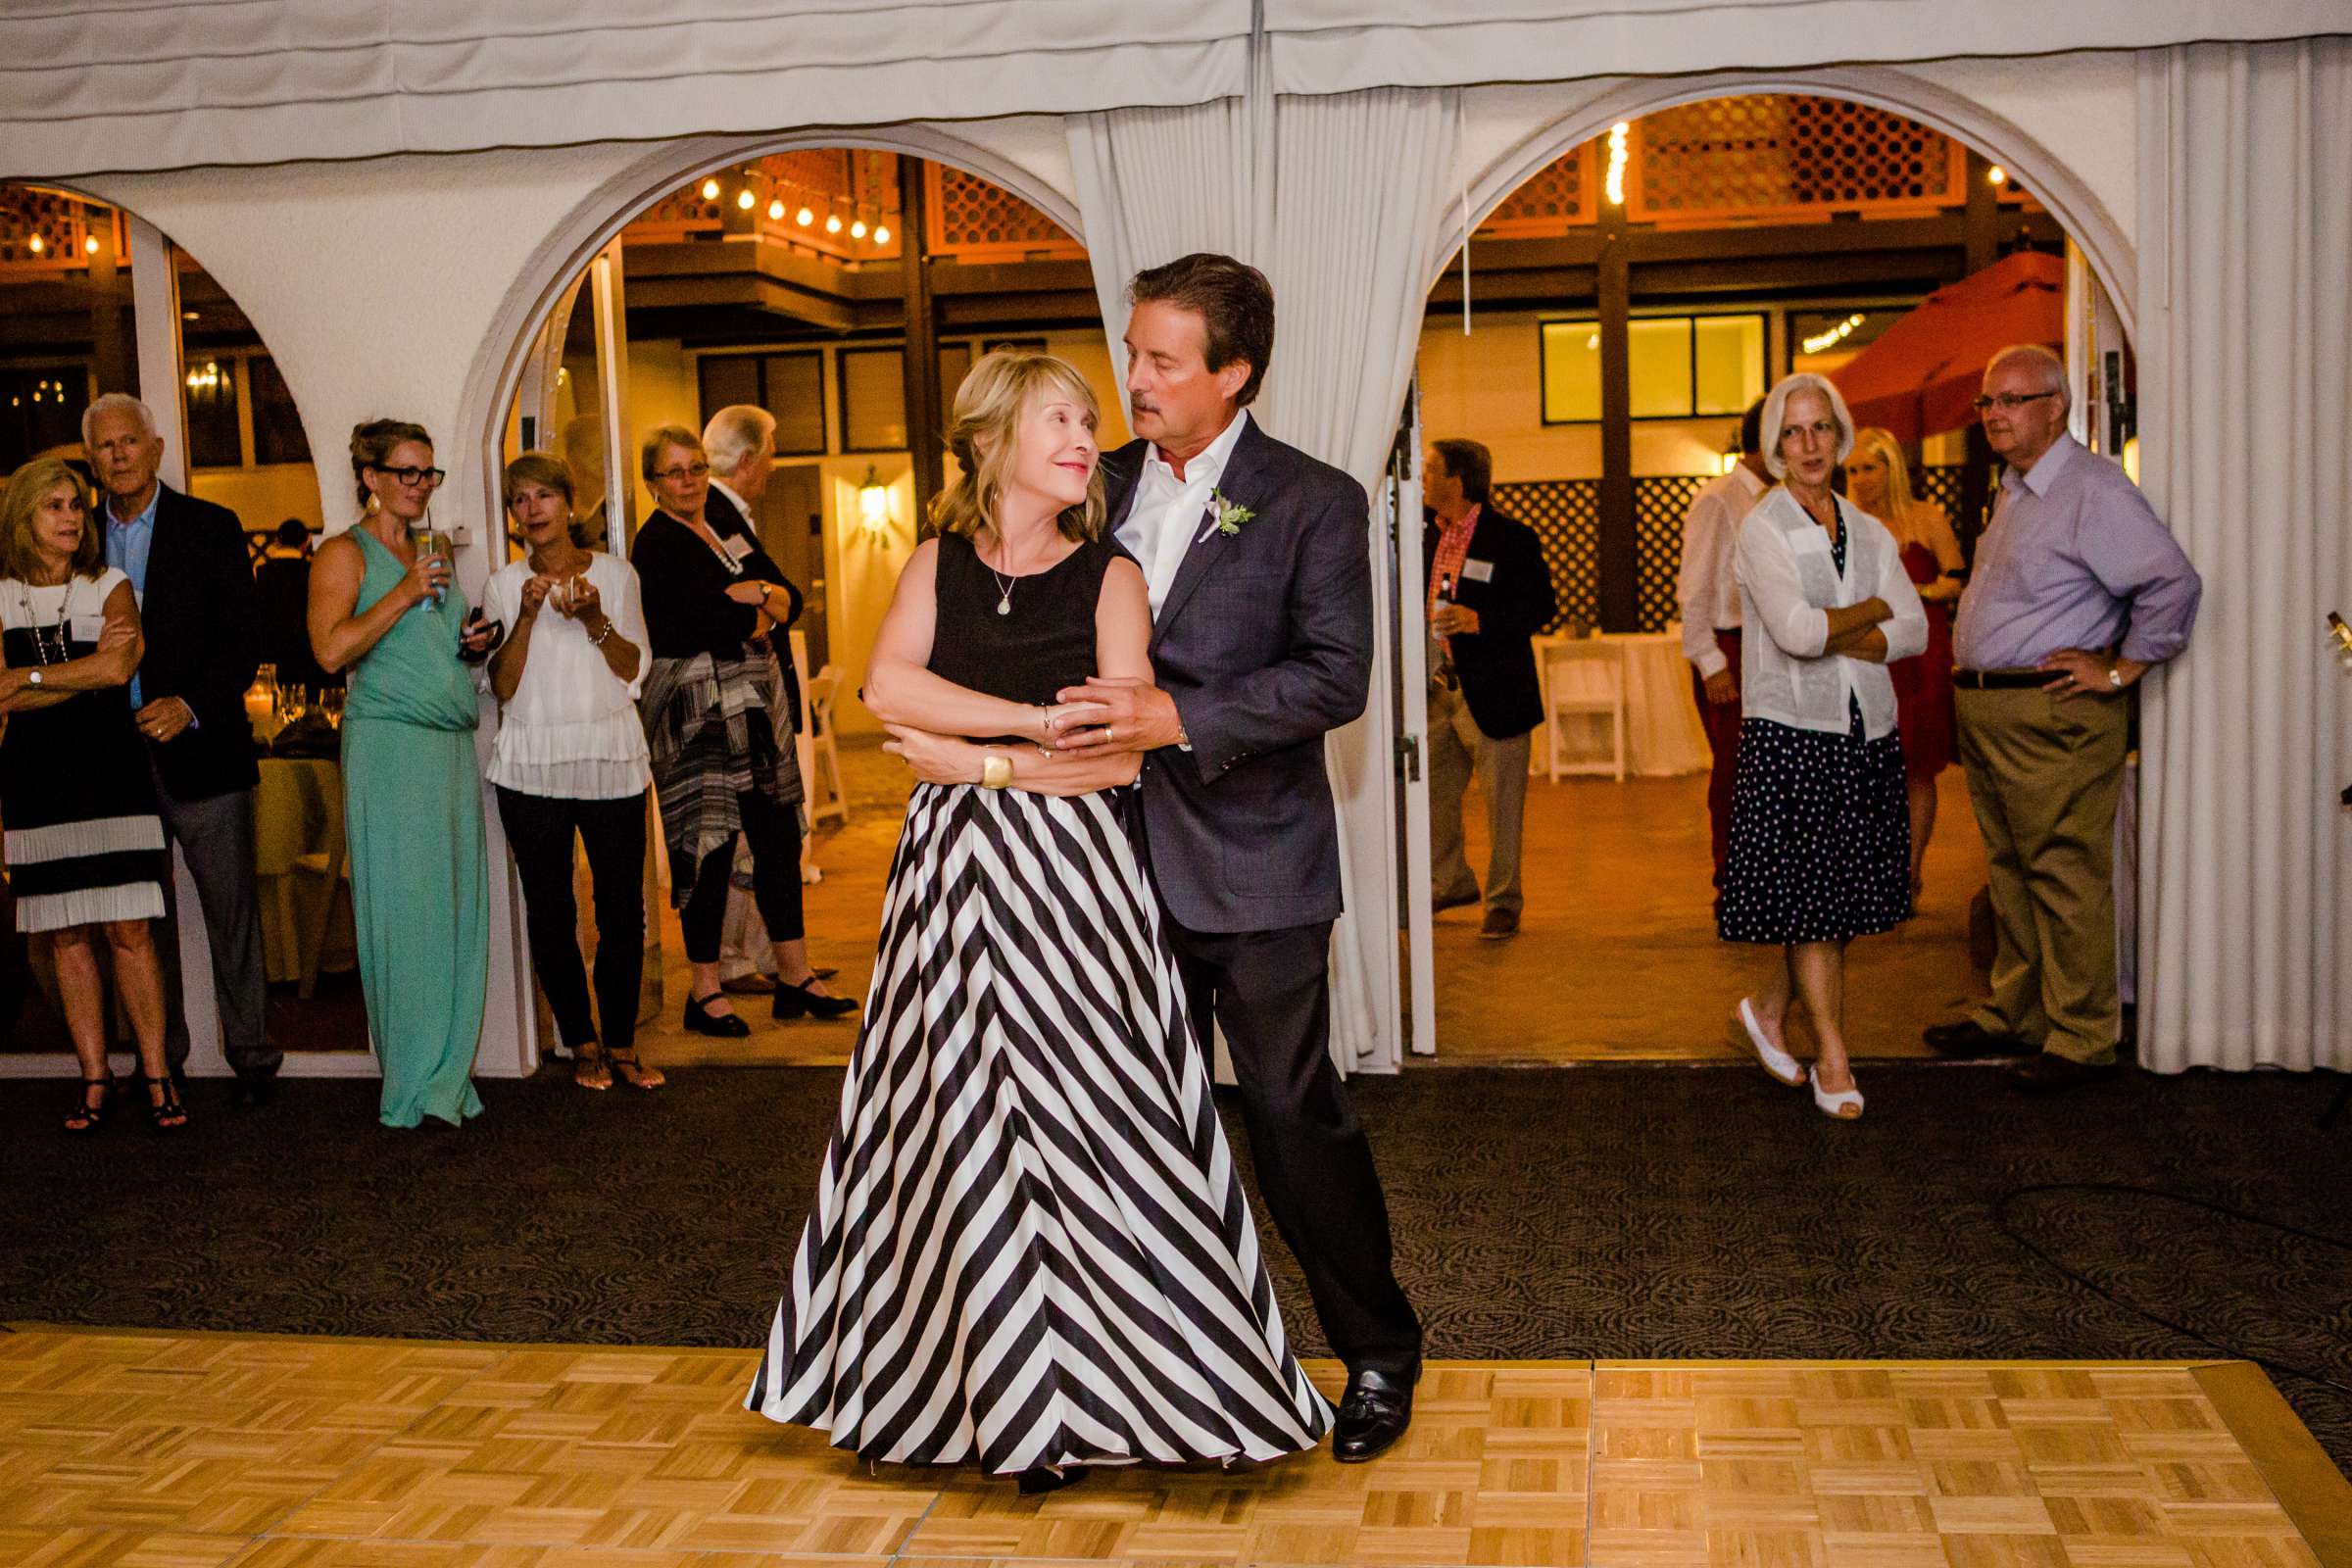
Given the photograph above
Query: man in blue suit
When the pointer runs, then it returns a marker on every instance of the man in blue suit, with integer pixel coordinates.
(1257, 560)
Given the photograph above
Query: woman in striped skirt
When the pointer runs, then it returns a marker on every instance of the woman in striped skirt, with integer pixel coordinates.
(1029, 1250)
(85, 845)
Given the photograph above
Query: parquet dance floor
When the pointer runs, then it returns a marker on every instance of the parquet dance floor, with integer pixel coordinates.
(165, 1450)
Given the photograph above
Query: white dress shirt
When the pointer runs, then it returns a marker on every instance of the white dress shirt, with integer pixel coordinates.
(571, 730)
(1167, 512)
(1789, 583)
(1704, 587)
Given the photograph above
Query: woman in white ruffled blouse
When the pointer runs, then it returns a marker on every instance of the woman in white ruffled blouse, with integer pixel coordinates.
(570, 758)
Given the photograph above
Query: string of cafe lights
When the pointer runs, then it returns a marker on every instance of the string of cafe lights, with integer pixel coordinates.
(747, 199)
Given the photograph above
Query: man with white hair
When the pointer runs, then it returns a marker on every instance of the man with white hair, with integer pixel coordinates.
(740, 444)
(2078, 592)
(187, 563)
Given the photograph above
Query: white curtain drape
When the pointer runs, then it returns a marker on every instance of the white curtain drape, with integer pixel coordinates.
(1338, 200)
(2246, 377)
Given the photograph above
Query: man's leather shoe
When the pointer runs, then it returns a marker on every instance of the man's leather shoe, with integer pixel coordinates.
(255, 1092)
(1373, 1415)
(1968, 1038)
(2042, 1072)
(1501, 923)
(1459, 901)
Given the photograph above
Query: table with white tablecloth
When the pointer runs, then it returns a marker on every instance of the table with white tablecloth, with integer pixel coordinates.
(1663, 736)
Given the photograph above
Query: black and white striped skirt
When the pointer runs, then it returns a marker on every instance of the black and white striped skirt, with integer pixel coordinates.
(1029, 1247)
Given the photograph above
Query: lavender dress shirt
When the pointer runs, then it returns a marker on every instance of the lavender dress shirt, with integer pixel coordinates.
(2076, 558)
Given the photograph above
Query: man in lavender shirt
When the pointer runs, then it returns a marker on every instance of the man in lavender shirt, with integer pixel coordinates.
(2078, 591)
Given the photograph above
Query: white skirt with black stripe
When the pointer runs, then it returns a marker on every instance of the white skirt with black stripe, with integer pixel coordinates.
(1029, 1247)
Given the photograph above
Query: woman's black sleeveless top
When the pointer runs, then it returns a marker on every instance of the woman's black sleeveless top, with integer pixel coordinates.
(1043, 641)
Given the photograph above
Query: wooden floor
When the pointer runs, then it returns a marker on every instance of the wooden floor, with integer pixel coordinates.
(157, 1450)
(1616, 958)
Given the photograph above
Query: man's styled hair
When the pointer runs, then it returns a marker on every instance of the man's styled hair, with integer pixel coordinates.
(1233, 298)
(735, 432)
(117, 403)
(1470, 462)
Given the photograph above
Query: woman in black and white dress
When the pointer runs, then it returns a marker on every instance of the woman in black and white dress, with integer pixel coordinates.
(1821, 835)
(1029, 1250)
(85, 845)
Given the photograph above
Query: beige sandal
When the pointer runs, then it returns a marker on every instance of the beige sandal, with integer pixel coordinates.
(588, 1067)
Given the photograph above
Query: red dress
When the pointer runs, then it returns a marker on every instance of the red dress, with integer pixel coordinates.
(1923, 684)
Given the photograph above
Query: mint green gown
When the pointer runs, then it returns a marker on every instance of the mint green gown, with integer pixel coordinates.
(419, 889)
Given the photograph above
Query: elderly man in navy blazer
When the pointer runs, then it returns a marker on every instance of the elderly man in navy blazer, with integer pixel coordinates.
(1257, 560)
(186, 561)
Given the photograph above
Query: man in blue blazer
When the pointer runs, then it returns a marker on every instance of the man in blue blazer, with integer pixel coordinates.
(1258, 559)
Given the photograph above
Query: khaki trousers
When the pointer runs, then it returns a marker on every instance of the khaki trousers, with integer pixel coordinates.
(2044, 775)
(1457, 748)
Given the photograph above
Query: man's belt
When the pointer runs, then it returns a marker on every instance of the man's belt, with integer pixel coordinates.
(2001, 680)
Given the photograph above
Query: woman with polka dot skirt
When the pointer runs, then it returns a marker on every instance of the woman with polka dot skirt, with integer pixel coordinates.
(1821, 836)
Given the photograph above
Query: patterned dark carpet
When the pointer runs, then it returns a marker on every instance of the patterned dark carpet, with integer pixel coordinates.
(1618, 1211)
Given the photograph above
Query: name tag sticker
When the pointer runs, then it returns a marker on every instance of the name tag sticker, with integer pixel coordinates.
(738, 547)
(1479, 571)
(86, 628)
(1811, 541)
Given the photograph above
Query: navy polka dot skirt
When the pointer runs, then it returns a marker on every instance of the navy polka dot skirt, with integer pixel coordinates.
(1821, 836)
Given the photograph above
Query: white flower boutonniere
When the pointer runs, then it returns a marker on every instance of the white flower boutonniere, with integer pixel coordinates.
(1230, 514)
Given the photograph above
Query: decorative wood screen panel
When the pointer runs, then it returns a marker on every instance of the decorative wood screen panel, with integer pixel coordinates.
(1565, 515)
(856, 187)
(61, 224)
(973, 220)
(1781, 156)
(1562, 194)
(1660, 503)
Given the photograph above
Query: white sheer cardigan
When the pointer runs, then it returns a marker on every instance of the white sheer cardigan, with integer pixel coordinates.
(1788, 582)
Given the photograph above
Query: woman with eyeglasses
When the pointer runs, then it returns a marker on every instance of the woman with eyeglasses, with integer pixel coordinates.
(385, 609)
(1878, 481)
(1820, 841)
(719, 733)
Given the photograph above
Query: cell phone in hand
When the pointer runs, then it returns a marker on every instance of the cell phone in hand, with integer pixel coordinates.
(475, 623)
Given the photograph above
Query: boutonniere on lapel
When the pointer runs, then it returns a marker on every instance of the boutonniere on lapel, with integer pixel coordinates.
(1225, 516)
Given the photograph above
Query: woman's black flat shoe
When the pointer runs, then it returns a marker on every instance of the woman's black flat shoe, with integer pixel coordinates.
(1037, 1482)
(798, 1002)
(717, 1025)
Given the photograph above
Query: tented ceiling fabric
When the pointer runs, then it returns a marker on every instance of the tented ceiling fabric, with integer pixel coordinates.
(94, 85)
(88, 86)
(1327, 46)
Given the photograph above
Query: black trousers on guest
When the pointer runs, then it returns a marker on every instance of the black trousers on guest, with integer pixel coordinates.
(775, 832)
(539, 831)
(1271, 990)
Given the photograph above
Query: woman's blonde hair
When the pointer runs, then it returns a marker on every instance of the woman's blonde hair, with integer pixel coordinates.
(985, 432)
(27, 488)
(1900, 499)
(535, 468)
(668, 436)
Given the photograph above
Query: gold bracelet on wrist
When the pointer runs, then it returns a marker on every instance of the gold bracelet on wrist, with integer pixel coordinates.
(996, 771)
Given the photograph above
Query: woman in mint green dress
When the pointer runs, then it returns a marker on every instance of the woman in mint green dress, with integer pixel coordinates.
(391, 615)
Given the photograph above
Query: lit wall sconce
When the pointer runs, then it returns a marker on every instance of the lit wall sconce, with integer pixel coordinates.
(833, 224)
(873, 501)
(710, 190)
(775, 209)
(805, 217)
(881, 234)
(1730, 460)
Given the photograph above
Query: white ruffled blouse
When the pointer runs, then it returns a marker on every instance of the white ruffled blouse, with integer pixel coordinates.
(571, 730)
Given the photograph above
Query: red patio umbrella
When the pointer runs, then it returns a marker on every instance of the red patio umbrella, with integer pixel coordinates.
(1917, 379)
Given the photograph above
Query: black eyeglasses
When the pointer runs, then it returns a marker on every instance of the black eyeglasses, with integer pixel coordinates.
(425, 476)
(698, 471)
(2006, 402)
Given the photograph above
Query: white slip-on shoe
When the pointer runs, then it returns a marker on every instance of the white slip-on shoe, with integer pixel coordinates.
(1782, 1067)
(1845, 1107)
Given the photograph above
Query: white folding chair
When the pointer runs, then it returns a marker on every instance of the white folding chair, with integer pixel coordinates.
(1585, 676)
(827, 797)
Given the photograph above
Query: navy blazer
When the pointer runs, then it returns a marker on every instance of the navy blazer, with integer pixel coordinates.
(1265, 643)
(202, 619)
(1513, 596)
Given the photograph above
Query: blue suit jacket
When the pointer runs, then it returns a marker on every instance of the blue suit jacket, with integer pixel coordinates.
(1265, 643)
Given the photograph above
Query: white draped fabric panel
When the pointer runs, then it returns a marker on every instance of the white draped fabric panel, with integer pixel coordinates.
(1342, 216)
(1322, 46)
(2246, 377)
(96, 85)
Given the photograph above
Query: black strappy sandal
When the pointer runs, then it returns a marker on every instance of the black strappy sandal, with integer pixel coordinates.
(168, 1113)
(629, 1068)
(88, 1117)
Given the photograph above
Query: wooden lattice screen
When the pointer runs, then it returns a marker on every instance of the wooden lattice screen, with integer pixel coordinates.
(856, 185)
(1781, 156)
(973, 220)
(61, 222)
(1561, 193)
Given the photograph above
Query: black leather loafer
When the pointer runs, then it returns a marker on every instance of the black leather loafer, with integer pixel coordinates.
(717, 1025)
(1968, 1039)
(798, 1002)
(2042, 1072)
(1373, 1415)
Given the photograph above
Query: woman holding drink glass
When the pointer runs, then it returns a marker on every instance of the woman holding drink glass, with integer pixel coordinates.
(570, 758)
(383, 608)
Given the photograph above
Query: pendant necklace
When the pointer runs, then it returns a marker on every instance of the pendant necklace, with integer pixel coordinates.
(1004, 585)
